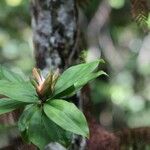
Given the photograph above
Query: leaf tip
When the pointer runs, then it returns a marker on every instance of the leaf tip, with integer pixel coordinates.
(101, 61)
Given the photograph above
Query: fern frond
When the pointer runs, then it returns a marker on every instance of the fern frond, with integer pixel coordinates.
(140, 11)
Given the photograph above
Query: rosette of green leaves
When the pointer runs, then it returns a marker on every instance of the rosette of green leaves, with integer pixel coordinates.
(51, 120)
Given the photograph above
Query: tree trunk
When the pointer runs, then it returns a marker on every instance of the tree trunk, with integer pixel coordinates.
(55, 27)
(55, 34)
(55, 41)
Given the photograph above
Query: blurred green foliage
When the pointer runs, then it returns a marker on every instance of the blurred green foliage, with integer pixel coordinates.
(15, 35)
(125, 94)
(127, 89)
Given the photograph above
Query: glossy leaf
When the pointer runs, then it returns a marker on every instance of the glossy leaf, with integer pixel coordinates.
(79, 84)
(23, 91)
(67, 116)
(8, 105)
(74, 75)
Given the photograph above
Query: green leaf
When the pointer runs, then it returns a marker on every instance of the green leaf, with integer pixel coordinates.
(67, 116)
(67, 92)
(37, 128)
(37, 132)
(6, 74)
(23, 122)
(79, 84)
(56, 133)
(41, 130)
(8, 105)
(74, 75)
(89, 77)
(21, 91)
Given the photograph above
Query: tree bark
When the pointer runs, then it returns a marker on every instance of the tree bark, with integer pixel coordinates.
(54, 25)
(55, 31)
(55, 34)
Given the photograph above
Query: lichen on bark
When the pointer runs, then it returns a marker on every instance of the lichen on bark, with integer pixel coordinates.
(54, 25)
